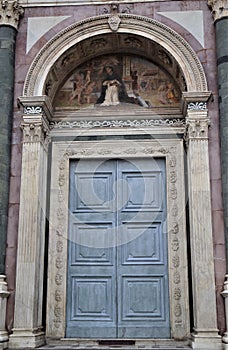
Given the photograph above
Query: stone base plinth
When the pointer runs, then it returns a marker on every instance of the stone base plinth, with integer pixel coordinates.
(206, 341)
(4, 338)
(26, 338)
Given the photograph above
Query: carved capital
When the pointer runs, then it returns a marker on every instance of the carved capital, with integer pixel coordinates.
(35, 129)
(10, 13)
(219, 8)
(196, 129)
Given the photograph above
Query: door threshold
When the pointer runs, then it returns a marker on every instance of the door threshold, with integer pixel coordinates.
(115, 343)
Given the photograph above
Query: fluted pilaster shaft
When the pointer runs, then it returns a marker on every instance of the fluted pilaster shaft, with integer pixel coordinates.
(205, 333)
(27, 330)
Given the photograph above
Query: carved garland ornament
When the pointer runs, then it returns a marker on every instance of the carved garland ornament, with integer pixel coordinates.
(61, 220)
(145, 26)
(10, 13)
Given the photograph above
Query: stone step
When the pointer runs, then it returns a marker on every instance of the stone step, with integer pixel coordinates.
(72, 346)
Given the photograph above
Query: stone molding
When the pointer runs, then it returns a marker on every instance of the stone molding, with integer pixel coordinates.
(63, 152)
(137, 25)
(90, 124)
(36, 105)
(194, 101)
(219, 8)
(10, 13)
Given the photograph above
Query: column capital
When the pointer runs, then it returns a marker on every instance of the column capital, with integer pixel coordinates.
(35, 120)
(35, 129)
(219, 8)
(197, 126)
(10, 13)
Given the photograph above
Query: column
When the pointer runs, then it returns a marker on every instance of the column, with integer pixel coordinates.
(10, 13)
(205, 335)
(27, 331)
(225, 295)
(220, 14)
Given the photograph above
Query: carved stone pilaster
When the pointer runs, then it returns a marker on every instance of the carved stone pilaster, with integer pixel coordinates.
(205, 333)
(27, 330)
(219, 8)
(10, 13)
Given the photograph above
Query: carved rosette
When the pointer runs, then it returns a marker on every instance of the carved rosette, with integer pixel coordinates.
(219, 8)
(61, 219)
(175, 240)
(10, 13)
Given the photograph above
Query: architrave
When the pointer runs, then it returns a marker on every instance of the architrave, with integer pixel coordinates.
(62, 153)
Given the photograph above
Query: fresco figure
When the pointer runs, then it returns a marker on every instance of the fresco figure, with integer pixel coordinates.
(134, 77)
(78, 88)
(171, 93)
(113, 90)
(162, 94)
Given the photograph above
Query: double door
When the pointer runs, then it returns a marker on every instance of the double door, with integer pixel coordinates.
(117, 250)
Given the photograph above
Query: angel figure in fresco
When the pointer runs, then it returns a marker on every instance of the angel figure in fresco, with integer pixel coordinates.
(78, 88)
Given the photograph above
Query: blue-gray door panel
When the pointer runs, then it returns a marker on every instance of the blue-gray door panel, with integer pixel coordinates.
(91, 304)
(143, 303)
(117, 264)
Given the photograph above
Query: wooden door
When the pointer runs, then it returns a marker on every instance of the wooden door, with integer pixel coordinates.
(117, 252)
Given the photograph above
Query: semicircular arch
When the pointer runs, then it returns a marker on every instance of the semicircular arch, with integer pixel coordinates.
(139, 26)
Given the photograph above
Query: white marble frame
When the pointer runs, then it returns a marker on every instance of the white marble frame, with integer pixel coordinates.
(173, 151)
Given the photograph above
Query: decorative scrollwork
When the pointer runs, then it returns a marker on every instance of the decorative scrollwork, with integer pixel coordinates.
(84, 124)
(33, 110)
(197, 106)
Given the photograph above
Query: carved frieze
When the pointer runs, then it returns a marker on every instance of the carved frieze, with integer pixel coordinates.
(85, 124)
(10, 13)
(219, 8)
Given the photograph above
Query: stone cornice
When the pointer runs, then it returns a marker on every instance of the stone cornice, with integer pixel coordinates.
(194, 101)
(10, 13)
(219, 8)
